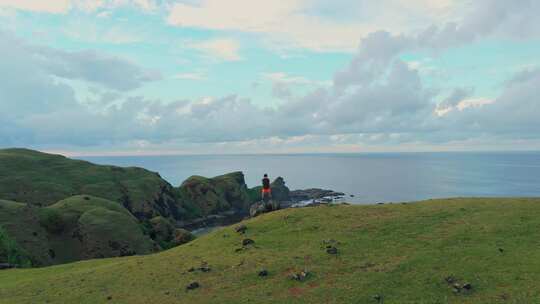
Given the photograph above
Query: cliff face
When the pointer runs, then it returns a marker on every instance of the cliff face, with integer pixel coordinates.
(213, 195)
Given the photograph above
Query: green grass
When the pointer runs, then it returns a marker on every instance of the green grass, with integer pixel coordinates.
(43, 179)
(79, 227)
(401, 252)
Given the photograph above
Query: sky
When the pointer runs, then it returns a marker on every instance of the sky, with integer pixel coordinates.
(153, 77)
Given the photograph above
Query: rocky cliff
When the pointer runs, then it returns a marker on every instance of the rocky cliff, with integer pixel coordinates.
(58, 210)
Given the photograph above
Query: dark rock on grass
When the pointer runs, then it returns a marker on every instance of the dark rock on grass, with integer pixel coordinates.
(467, 286)
(458, 287)
(377, 298)
(332, 250)
(263, 273)
(241, 229)
(264, 207)
(330, 241)
(301, 276)
(501, 250)
(247, 242)
(193, 286)
(205, 269)
(109, 298)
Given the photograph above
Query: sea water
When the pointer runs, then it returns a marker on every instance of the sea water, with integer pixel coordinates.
(365, 178)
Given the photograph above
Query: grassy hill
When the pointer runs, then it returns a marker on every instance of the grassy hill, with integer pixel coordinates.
(79, 227)
(43, 179)
(55, 210)
(393, 253)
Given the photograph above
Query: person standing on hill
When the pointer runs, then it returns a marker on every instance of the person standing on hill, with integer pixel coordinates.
(266, 191)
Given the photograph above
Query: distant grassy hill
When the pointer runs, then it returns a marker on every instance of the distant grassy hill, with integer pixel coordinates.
(400, 253)
(55, 210)
(42, 179)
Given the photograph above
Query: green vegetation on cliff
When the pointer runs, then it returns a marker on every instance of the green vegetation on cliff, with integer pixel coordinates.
(399, 253)
(79, 227)
(43, 179)
(59, 210)
(214, 195)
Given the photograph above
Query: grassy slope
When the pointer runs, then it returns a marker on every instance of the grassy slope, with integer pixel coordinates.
(402, 252)
(43, 179)
(75, 228)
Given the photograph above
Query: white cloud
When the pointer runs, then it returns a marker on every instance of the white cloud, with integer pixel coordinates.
(63, 6)
(94, 5)
(49, 6)
(286, 78)
(315, 24)
(473, 103)
(190, 76)
(224, 49)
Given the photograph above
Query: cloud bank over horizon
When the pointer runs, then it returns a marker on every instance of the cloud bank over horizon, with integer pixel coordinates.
(158, 77)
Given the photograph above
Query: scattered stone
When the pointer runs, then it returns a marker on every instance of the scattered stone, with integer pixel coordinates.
(301, 276)
(501, 250)
(332, 250)
(205, 269)
(377, 298)
(109, 298)
(193, 286)
(247, 242)
(450, 279)
(241, 228)
(263, 273)
(458, 287)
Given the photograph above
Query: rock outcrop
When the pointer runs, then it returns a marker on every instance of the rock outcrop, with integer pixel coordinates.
(313, 193)
(208, 196)
(264, 207)
(280, 192)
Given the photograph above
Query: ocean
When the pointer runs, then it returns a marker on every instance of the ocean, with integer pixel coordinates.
(369, 177)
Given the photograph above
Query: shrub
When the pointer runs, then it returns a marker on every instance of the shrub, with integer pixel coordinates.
(11, 253)
(51, 220)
